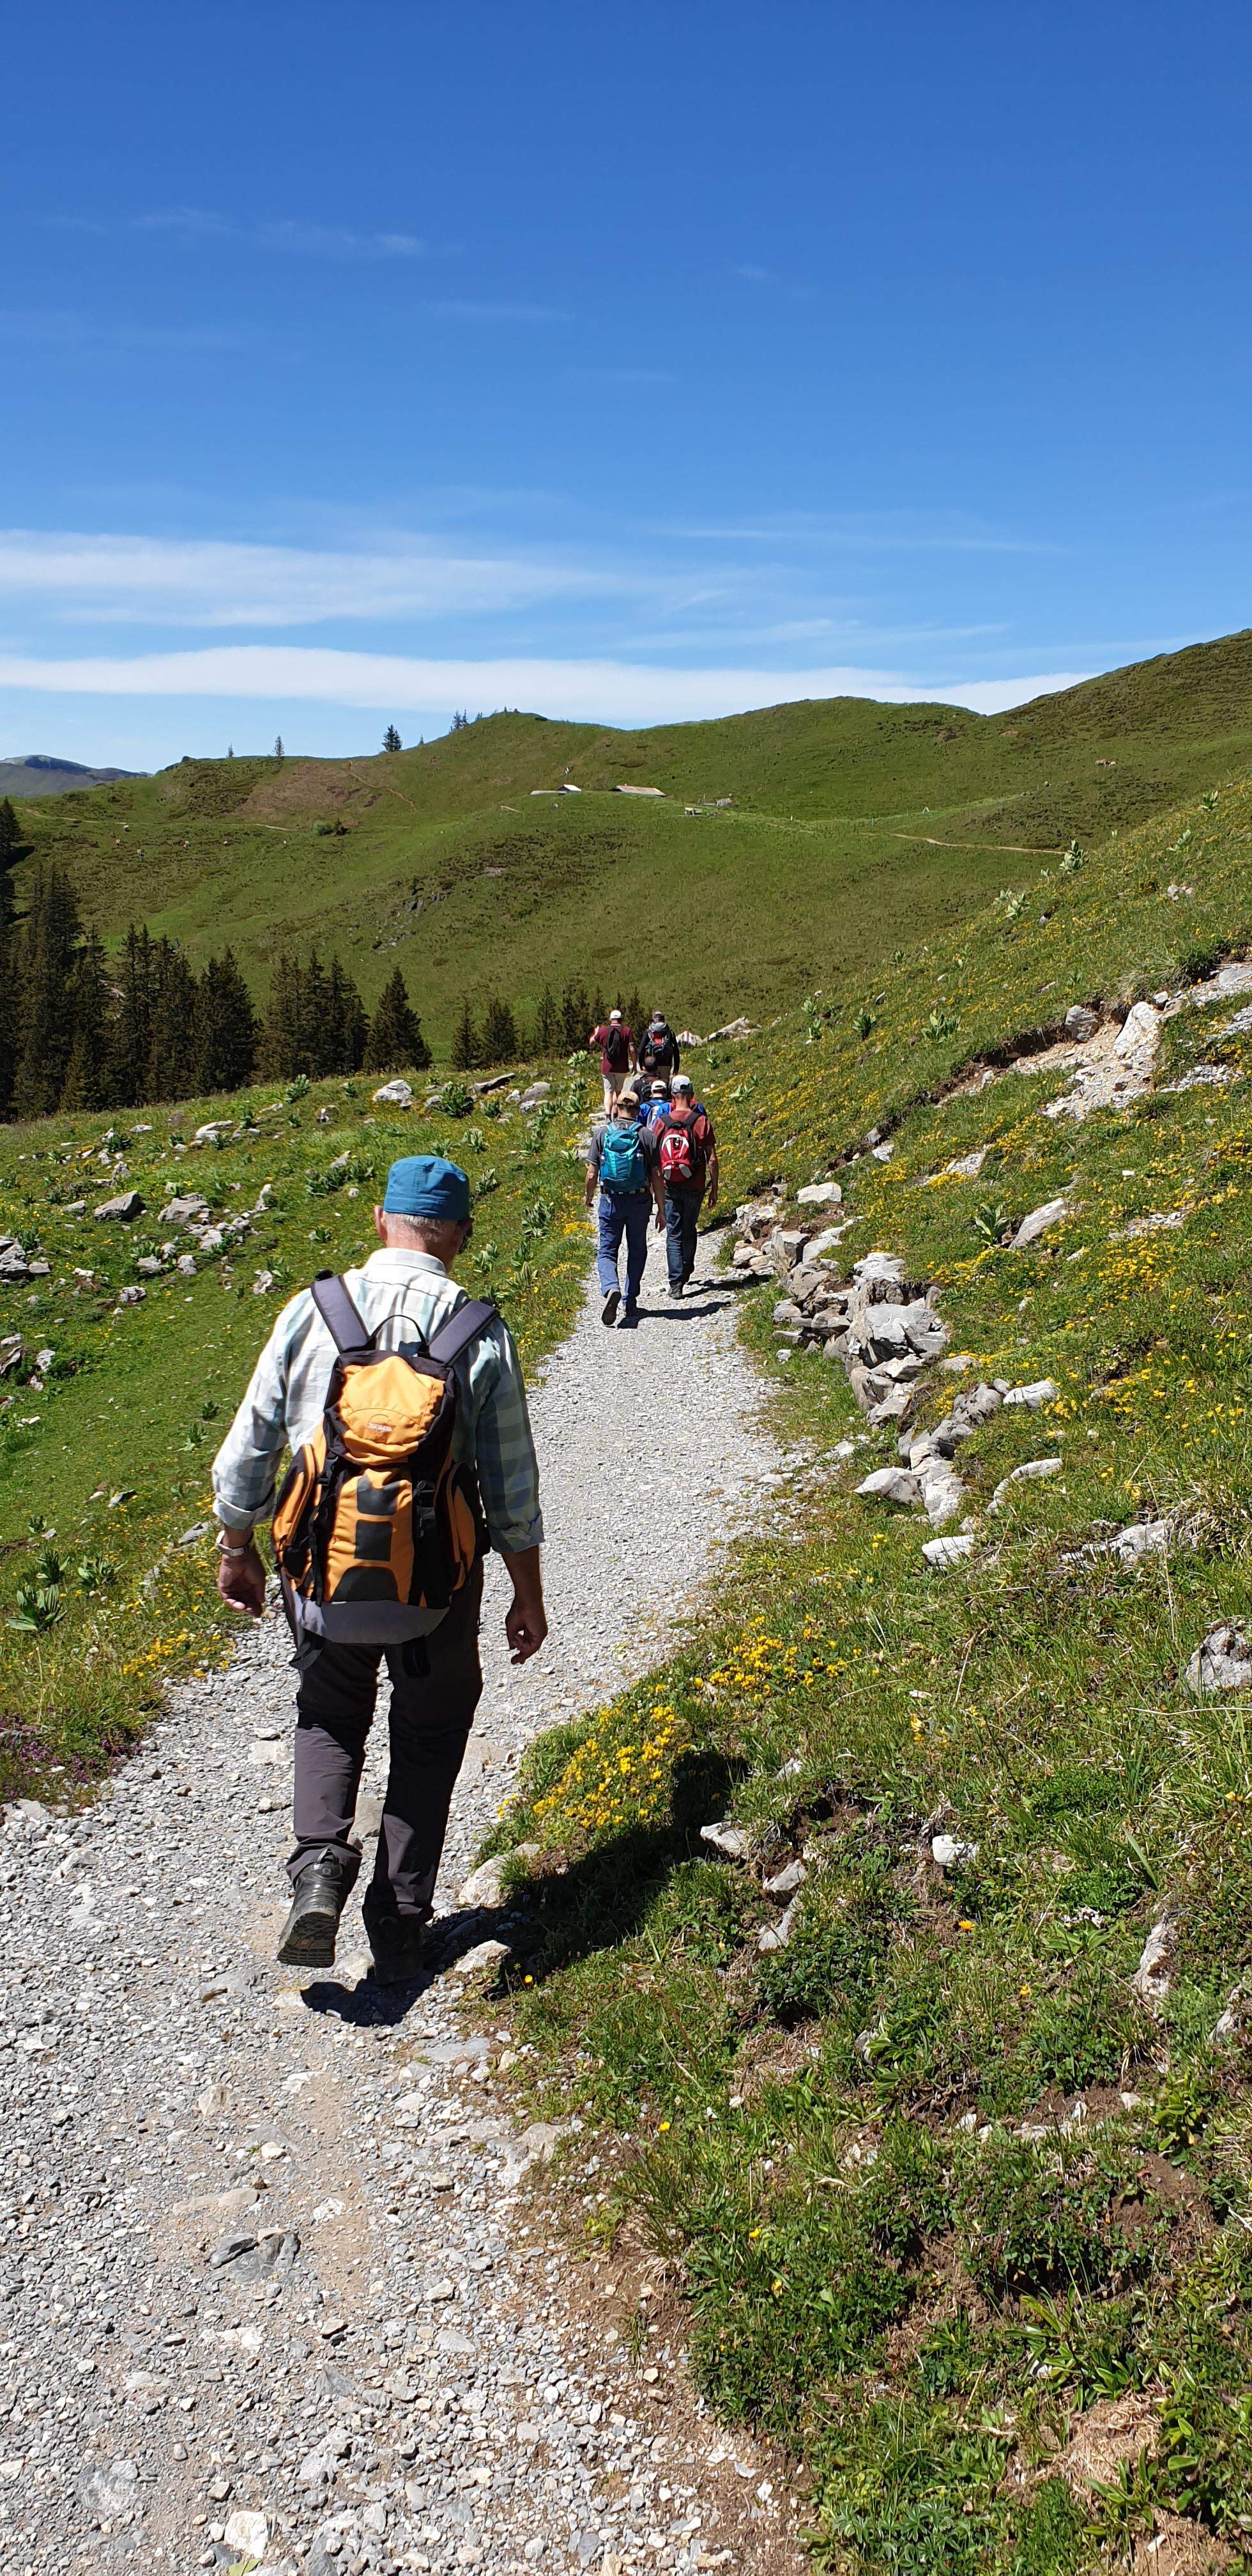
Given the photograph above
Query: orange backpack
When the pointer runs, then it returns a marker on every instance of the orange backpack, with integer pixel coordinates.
(376, 1526)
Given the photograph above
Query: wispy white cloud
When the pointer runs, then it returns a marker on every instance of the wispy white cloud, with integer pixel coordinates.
(900, 534)
(619, 375)
(750, 273)
(595, 691)
(52, 330)
(453, 308)
(337, 241)
(205, 582)
(291, 233)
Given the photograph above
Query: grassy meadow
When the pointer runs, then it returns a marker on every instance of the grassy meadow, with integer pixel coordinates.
(853, 829)
(955, 2214)
(104, 1459)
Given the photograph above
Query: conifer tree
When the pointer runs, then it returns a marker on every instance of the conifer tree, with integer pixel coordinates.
(599, 1009)
(280, 1029)
(87, 1083)
(635, 1016)
(547, 1024)
(315, 1040)
(395, 1043)
(46, 958)
(131, 1048)
(225, 1027)
(465, 1054)
(172, 1051)
(8, 996)
(391, 739)
(346, 1023)
(12, 846)
(575, 1019)
(499, 1033)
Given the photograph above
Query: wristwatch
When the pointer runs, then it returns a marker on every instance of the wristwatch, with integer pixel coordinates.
(224, 1547)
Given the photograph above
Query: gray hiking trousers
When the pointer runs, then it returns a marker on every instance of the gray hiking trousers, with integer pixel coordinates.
(431, 1716)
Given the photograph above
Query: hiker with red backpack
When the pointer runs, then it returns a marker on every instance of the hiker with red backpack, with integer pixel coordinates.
(402, 1402)
(617, 1055)
(624, 1161)
(688, 1157)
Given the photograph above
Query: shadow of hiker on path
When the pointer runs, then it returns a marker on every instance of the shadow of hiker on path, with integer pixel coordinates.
(366, 2005)
(604, 1897)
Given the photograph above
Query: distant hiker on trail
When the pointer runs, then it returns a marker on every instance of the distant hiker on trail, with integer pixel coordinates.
(658, 1047)
(654, 1099)
(403, 1405)
(688, 1157)
(625, 1161)
(617, 1055)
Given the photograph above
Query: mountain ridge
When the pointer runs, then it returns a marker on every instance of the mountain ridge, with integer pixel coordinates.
(841, 827)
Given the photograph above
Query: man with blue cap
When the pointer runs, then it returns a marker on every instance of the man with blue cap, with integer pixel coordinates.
(404, 1294)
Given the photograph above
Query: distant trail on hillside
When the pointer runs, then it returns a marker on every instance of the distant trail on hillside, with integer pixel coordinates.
(318, 2319)
(398, 793)
(1011, 849)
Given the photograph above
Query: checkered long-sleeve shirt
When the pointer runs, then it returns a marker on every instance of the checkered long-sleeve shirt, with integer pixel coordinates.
(284, 1403)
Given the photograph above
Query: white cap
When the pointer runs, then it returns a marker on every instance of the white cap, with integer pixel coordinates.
(681, 1082)
(615, 1015)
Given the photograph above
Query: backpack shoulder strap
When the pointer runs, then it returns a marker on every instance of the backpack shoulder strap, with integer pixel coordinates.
(345, 1326)
(462, 1328)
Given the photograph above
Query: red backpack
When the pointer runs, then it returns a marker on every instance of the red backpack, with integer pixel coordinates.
(682, 1143)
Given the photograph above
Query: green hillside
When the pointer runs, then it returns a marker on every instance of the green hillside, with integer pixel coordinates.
(833, 852)
(960, 2211)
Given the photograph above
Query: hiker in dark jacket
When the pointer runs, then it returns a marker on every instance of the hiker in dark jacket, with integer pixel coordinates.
(688, 1155)
(617, 1055)
(658, 1047)
(624, 1160)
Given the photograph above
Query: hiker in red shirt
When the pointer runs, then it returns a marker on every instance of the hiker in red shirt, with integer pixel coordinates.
(688, 1152)
(617, 1055)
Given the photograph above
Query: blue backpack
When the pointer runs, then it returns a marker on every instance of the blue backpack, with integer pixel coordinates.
(622, 1166)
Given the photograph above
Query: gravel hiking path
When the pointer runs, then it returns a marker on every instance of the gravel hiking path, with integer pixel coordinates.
(279, 2280)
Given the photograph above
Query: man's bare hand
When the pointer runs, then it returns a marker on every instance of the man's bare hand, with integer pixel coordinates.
(525, 1620)
(241, 1582)
(525, 1626)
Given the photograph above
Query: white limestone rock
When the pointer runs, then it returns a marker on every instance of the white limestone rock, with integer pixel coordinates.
(730, 1840)
(1222, 1661)
(891, 1485)
(949, 1852)
(485, 1885)
(1039, 1222)
(944, 1553)
(1032, 1467)
(1043, 1390)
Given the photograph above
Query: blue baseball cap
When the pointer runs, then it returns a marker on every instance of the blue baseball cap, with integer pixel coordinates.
(425, 1185)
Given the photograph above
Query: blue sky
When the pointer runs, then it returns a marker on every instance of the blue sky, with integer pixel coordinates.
(624, 363)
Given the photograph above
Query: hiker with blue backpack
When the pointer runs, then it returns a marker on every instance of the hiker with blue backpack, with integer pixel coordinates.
(653, 1098)
(624, 1162)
